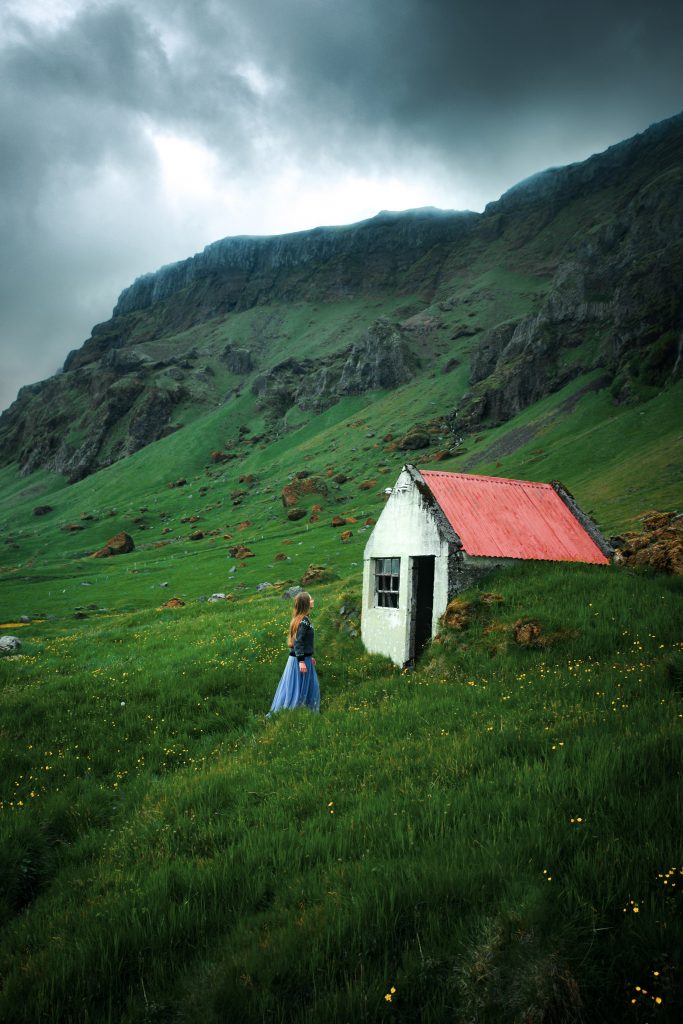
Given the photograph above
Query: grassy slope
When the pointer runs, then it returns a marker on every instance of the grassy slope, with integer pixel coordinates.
(475, 835)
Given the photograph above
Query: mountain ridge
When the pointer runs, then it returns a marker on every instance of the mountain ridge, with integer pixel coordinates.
(576, 269)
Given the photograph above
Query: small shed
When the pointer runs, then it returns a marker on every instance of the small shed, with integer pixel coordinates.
(440, 532)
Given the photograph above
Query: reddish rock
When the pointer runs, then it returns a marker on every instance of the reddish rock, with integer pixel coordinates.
(316, 574)
(73, 527)
(346, 535)
(175, 602)
(240, 551)
(338, 521)
(245, 525)
(300, 486)
(367, 485)
(281, 557)
(121, 544)
(190, 519)
(197, 535)
(314, 518)
(370, 521)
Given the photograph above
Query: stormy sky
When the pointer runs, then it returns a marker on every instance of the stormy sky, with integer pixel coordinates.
(131, 135)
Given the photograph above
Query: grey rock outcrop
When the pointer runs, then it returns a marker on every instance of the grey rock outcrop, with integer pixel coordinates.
(238, 360)
(381, 360)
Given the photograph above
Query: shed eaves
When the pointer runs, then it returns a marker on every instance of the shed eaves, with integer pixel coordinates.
(503, 518)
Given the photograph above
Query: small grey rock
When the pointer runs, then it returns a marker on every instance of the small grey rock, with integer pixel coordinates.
(263, 586)
(292, 592)
(10, 644)
(216, 597)
(25, 618)
(203, 598)
(163, 584)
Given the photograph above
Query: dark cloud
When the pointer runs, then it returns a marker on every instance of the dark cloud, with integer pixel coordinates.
(474, 94)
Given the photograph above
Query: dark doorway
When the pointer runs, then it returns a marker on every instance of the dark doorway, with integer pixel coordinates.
(423, 603)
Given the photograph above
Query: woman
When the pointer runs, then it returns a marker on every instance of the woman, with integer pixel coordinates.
(299, 685)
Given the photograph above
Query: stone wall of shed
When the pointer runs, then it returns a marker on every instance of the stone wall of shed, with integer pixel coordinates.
(465, 571)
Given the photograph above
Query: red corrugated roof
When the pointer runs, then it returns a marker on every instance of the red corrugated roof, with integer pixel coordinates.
(511, 518)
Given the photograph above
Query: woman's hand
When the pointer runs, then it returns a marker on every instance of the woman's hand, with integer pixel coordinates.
(302, 666)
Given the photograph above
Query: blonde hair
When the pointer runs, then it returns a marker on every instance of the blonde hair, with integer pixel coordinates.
(302, 605)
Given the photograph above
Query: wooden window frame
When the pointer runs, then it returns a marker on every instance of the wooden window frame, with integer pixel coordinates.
(387, 576)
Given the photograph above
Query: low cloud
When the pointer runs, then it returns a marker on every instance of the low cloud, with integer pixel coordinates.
(132, 136)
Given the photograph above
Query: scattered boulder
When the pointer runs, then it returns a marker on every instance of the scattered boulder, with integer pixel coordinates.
(346, 535)
(300, 486)
(296, 513)
(338, 521)
(9, 644)
(245, 525)
(42, 510)
(178, 483)
(240, 552)
(88, 517)
(317, 574)
(281, 557)
(216, 597)
(72, 527)
(340, 478)
(197, 535)
(370, 521)
(248, 479)
(190, 519)
(367, 485)
(121, 544)
(414, 439)
(263, 586)
(175, 602)
(291, 593)
(491, 599)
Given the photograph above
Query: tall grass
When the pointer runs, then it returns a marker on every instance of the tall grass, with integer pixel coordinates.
(489, 836)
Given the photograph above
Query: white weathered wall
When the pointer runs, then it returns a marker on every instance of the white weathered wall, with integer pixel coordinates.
(406, 529)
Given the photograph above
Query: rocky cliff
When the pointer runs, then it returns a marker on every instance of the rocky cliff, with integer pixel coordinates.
(597, 246)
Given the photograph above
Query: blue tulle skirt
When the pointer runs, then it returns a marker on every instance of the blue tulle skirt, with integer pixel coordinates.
(297, 689)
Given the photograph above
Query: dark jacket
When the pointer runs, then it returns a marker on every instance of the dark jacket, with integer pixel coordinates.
(304, 639)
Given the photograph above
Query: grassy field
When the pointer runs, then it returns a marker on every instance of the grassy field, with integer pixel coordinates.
(494, 837)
